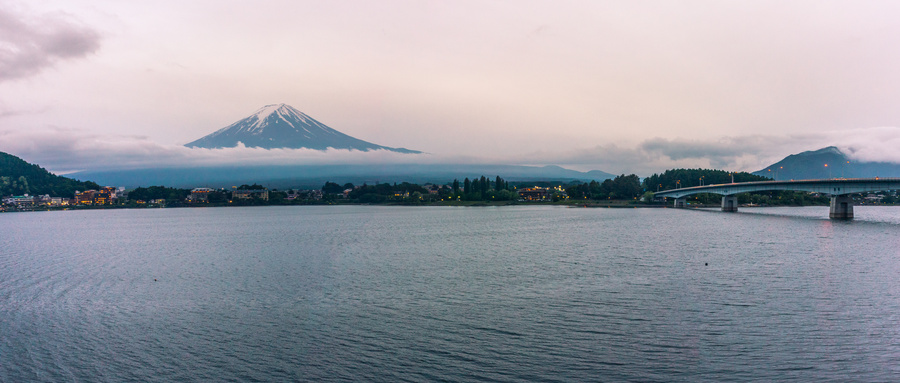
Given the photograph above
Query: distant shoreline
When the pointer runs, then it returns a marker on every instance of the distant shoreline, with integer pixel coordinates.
(569, 203)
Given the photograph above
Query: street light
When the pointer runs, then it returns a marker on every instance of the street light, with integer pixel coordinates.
(678, 184)
(701, 181)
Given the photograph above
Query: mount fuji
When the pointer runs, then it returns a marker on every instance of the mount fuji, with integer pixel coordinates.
(283, 126)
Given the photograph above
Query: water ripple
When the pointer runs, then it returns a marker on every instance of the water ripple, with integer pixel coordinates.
(445, 294)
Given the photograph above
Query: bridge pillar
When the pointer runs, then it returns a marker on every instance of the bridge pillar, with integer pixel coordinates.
(841, 207)
(680, 202)
(729, 203)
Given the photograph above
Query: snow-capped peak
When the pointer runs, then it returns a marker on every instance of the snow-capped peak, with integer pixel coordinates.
(267, 111)
(272, 113)
(283, 126)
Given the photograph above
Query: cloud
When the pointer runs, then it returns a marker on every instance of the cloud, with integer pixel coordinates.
(8, 113)
(64, 150)
(29, 45)
(658, 154)
(879, 144)
(743, 153)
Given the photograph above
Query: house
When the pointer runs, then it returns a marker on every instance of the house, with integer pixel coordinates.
(873, 198)
(432, 188)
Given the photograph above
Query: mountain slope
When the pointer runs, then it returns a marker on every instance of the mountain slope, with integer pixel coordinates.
(811, 165)
(18, 177)
(283, 126)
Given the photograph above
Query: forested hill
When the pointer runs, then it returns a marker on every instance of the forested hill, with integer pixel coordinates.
(18, 177)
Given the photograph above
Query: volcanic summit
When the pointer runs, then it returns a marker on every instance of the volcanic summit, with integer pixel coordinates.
(283, 126)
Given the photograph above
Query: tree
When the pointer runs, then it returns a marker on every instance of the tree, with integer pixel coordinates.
(277, 197)
(506, 195)
(215, 197)
(475, 193)
(332, 188)
(627, 187)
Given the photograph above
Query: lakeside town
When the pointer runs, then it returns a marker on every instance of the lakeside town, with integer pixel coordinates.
(620, 191)
(159, 196)
(28, 187)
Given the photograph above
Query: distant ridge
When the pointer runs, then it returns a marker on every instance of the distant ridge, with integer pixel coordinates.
(314, 176)
(279, 126)
(811, 165)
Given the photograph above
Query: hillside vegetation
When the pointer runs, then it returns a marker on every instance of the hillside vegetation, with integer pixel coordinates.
(18, 177)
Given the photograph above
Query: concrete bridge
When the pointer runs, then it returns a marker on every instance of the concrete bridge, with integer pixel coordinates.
(839, 189)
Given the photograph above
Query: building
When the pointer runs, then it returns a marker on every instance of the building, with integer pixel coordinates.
(41, 200)
(432, 188)
(262, 194)
(535, 194)
(200, 195)
(103, 196)
(22, 200)
(111, 192)
(292, 194)
(85, 198)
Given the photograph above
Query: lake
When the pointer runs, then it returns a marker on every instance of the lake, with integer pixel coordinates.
(471, 294)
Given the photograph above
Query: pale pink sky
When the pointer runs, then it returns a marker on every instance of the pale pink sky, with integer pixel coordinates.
(619, 86)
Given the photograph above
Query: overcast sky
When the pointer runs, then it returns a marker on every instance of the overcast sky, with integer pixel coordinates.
(619, 86)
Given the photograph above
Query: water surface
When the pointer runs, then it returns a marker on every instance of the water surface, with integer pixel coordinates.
(360, 293)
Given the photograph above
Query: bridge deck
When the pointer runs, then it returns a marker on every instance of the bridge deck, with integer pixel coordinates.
(834, 187)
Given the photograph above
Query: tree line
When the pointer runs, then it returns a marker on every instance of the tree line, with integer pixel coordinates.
(475, 189)
(621, 187)
(682, 178)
